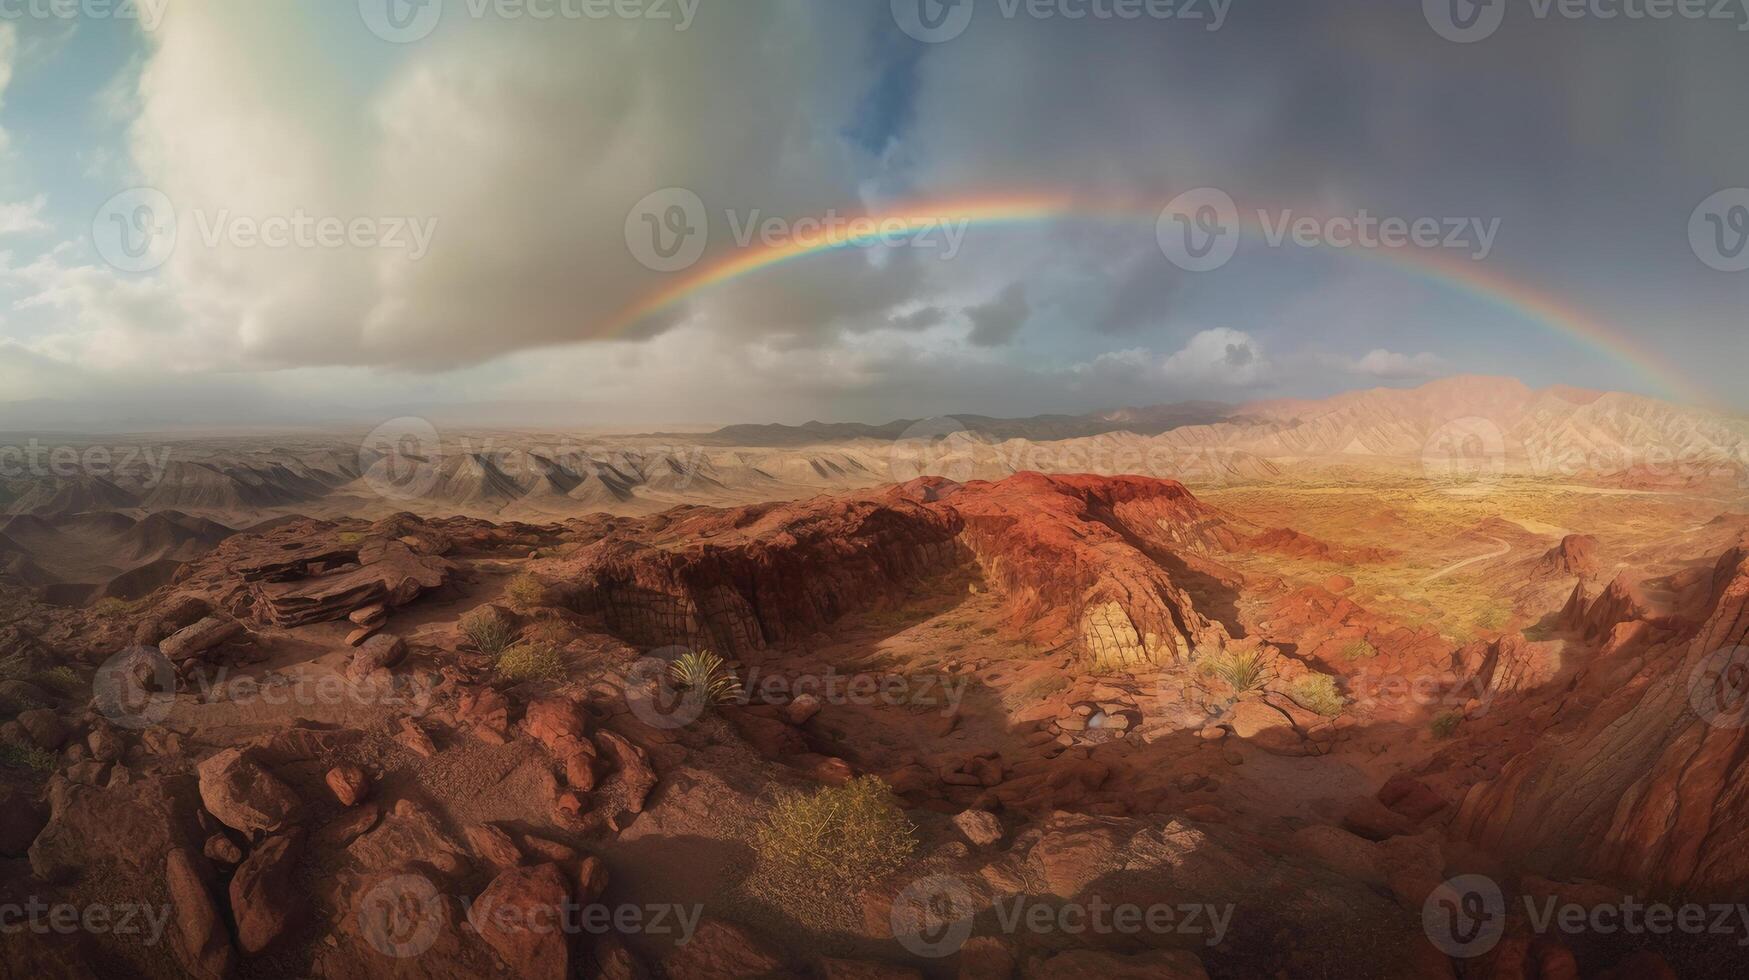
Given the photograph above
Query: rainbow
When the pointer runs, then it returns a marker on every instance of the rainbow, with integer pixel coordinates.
(1469, 278)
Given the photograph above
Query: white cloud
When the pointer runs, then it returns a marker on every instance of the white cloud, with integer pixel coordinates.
(8, 52)
(1392, 366)
(1220, 356)
(23, 217)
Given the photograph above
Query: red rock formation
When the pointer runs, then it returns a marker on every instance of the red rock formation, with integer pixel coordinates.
(1103, 562)
(1575, 555)
(1650, 787)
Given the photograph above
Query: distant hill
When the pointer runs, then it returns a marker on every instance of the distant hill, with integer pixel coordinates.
(1145, 421)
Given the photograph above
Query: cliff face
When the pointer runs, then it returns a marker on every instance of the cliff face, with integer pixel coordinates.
(1084, 560)
(1651, 787)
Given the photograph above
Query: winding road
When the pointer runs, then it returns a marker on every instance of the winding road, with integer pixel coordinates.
(1505, 549)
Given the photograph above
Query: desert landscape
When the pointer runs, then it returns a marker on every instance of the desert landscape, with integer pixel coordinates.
(884, 490)
(359, 712)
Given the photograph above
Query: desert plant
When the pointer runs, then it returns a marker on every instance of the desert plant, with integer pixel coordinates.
(1445, 724)
(1360, 650)
(17, 755)
(13, 667)
(841, 838)
(531, 661)
(62, 679)
(1318, 693)
(1242, 671)
(705, 674)
(526, 592)
(110, 606)
(487, 631)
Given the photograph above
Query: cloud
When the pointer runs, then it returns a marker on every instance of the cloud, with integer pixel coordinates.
(1392, 366)
(24, 217)
(995, 323)
(1219, 357)
(8, 53)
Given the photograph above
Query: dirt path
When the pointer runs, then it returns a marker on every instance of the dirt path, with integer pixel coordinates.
(1505, 549)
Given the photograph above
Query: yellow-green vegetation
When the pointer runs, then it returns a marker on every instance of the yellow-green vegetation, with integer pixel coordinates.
(1242, 671)
(526, 592)
(13, 667)
(1318, 692)
(1445, 724)
(62, 679)
(351, 537)
(835, 839)
(487, 631)
(705, 674)
(17, 755)
(1360, 649)
(111, 606)
(531, 661)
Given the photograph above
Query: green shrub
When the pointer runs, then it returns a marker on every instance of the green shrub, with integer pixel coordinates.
(1445, 724)
(705, 674)
(111, 606)
(13, 667)
(837, 838)
(16, 755)
(1242, 671)
(62, 679)
(531, 661)
(1360, 650)
(488, 631)
(526, 592)
(1318, 693)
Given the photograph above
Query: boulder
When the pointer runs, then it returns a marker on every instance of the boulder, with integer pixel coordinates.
(518, 915)
(197, 930)
(263, 901)
(379, 652)
(348, 783)
(632, 771)
(135, 823)
(45, 728)
(486, 712)
(979, 826)
(1089, 964)
(493, 846)
(244, 795)
(205, 635)
(722, 951)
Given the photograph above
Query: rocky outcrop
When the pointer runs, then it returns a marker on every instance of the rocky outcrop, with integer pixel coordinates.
(261, 892)
(1105, 563)
(1650, 787)
(736, 580)
(1576, 555)
(385, 573)
(197, 930)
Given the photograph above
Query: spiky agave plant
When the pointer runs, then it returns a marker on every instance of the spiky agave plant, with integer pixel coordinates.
(1243, 671)
(704, 675)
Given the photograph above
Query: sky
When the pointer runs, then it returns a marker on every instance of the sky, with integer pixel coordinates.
(569, 211)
